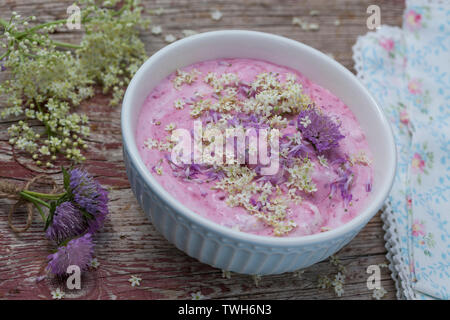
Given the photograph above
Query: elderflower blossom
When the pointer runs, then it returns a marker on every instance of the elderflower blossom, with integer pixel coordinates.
(314, 26)
(151, 143)
(57, 294)
(216, 15)
(379, 293)
(94, 263)
(135, 281)
(301, 176)
(360, 158)
(170, 127)
(226, 274)
(188, 32)
(179, 104)
(256, 279)
(296, 21)
(324, 282)
(159, 11)
(156, 30)
(323, 161)
(338, 288)
(334, 260)
(197, 296)
(183, 77)
(159, 170)
(337, 284)
(299, 273)
(170, 38)
(305, 122)
(47, 82)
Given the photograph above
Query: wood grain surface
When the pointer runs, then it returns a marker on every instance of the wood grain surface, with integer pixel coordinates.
(128, 244)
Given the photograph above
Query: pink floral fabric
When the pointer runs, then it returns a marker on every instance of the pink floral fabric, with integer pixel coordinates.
(408, 72)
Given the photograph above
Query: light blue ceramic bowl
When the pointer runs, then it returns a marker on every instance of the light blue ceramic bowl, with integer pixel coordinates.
(222, 247)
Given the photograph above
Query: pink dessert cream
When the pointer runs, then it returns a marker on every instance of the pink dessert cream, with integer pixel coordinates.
(322, 177)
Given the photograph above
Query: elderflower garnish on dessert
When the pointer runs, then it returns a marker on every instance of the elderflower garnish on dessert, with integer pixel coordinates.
(307, 182)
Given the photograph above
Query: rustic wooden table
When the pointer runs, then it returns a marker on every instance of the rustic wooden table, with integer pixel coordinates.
(128, 244)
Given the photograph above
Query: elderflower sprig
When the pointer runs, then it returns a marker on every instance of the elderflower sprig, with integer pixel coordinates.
(50, 78)
(111, 57)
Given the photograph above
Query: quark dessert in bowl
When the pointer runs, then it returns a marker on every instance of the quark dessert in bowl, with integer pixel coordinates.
(254, 153)
(321, 175)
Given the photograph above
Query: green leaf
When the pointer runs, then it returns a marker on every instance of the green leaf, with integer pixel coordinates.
(50, 215)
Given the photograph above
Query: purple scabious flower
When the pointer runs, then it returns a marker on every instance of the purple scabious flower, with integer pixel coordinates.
(318, 129)
(89, 196)
(78, 251)
(68, 222)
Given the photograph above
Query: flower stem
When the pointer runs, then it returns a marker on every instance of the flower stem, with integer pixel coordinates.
(66, 45)
(39, 26)
(55, 196)
(3, 23)
(47, 24)
(47, 127)
(5, 54)
(40, 211)
(34, 199)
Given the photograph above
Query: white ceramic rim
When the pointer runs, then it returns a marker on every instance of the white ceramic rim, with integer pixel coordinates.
(128, 135)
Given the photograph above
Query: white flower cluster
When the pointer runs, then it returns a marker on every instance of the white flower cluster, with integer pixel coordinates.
(135, 281)
(220, 83)
(226, 274)
(305, 121)
(179, 104)
(300, 176)
(360, 158)
(323, 161)
(183, 77)
(161, 146)
(199, 106)
(111, 51)
(337, 284)
(379, 293)
(273, 205)
(273, 96)
(47, 83)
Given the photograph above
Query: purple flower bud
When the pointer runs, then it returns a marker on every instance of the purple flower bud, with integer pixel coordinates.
(90, 196)
(77, 252)
(68, 222)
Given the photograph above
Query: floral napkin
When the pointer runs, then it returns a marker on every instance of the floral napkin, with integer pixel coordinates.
(408, 71)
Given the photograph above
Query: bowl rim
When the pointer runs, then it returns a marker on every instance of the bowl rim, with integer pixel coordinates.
(135, 158)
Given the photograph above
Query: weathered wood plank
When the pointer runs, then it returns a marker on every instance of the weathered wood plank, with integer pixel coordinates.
(129, 244)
